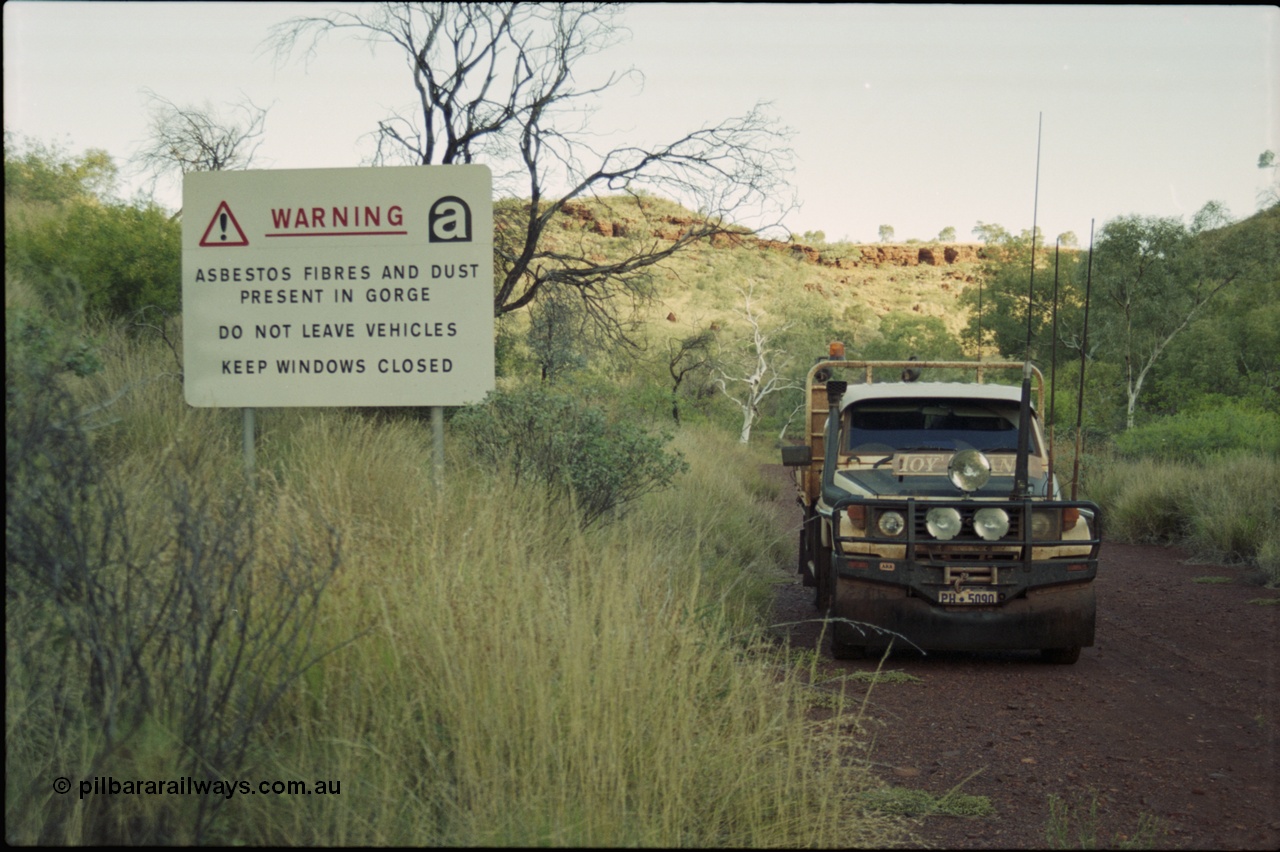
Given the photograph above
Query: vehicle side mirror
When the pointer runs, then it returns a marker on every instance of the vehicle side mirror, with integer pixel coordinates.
(796, 456)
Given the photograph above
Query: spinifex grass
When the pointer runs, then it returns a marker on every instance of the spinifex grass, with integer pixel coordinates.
(1224, 507)
(525, 682)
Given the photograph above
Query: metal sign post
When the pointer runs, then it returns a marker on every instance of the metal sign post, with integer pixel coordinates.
(437, 433)
(250, 453)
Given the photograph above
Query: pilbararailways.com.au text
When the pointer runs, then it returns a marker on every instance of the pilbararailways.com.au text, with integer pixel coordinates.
(108, 786)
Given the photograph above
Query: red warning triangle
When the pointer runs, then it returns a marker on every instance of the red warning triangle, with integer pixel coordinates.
(223, 230)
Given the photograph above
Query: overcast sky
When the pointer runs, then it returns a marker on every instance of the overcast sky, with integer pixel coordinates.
(917, 117)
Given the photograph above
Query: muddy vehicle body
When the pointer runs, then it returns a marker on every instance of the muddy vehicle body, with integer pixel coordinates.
(932, 518)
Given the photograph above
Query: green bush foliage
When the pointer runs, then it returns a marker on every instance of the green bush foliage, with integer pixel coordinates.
(1216, 425)
(118, 258)
(38, 338)
(38, 173)
(68, 236)
(602, 464)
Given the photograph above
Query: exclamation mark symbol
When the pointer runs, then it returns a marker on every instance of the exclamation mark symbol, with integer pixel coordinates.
(222, 220)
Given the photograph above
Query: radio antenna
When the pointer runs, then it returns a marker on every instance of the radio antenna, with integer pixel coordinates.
(1035, 209)
(1020, 472)
(1084, 347)
(1053, 363)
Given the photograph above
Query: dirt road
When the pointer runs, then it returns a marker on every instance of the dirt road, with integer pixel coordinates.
(1174, 714)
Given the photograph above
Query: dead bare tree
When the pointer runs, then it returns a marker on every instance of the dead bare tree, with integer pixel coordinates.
(759, 373)
(495, 83)
(190, 138)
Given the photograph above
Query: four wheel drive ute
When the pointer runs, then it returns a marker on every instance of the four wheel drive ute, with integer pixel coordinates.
(932, 518)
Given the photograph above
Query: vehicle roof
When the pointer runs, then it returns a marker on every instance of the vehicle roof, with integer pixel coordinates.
(931, 390)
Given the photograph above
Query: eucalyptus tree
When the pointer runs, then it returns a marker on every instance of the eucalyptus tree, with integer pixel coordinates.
(998, 307)
(1154, 275)
(501, 84)
(753, 371)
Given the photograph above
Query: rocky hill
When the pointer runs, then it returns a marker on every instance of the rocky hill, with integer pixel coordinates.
(861, 282)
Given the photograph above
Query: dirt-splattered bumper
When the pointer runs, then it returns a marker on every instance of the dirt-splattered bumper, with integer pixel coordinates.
(1030, 588)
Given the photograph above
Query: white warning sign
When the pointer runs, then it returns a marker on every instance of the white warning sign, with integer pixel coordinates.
(346, 287)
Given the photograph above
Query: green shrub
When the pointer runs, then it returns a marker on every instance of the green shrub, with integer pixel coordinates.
(148, 632)
(602, 464)
(118, 257)
(42, 339)
(36, 172)
(1217, 425)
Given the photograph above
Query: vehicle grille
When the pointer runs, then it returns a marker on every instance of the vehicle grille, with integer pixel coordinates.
(968, 552)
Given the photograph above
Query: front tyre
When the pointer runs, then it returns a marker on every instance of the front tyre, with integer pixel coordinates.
(847, 642)
(843, 650)
(803, 569)
(1060, 656)
(824, 574)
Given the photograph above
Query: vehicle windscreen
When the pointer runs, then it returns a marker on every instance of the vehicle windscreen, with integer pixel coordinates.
(933, 424)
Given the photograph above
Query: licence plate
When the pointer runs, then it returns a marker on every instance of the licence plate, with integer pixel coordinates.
(968, 596)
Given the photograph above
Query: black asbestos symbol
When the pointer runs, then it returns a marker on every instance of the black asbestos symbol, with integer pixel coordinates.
(449, 221)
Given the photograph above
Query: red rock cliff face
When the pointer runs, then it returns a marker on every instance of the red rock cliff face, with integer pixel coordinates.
(940, 254)
(871, 255)
(934, 254)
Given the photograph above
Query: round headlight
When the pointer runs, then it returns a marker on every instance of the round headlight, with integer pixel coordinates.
(991, 523)
(969, 470)
(891, 523)
(942, 523)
